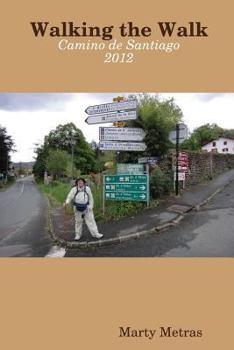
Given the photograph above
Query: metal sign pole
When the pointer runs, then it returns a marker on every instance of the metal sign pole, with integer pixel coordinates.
(148, 185)
(103, 195)
(118, 99)
(177, 159)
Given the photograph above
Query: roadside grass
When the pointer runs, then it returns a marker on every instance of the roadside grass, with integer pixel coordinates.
(57, 193)
(4, 186)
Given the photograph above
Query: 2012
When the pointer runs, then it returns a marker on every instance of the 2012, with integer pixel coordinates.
(118, 57)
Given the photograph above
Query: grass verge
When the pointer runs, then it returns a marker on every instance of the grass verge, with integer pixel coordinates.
(57, 193)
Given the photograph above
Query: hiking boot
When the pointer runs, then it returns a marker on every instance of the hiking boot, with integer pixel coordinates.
(77, 238)
(98, 235)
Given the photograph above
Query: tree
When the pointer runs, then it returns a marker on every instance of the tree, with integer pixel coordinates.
(6, 146)
(203, 135)
(102, 157)
(39, 167)
(56, 163)
(70, 139)
(157, 118)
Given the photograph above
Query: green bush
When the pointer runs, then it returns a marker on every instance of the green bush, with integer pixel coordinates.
(160, 183)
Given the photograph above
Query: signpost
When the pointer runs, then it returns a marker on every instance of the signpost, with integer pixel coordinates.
(126, 188)
(119, 124)
(121, 134)
(112, 107)
(111, 117)
(181, 177)
(126, 179)
(133, 169)
(182, 161)
(126, 196)
(183, 133)
(122, 146)
(177, 136)
(130, 183)
(148, 160)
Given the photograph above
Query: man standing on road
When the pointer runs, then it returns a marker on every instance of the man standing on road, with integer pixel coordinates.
(82, 199)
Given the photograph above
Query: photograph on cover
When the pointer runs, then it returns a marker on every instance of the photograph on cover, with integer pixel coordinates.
(116, 175)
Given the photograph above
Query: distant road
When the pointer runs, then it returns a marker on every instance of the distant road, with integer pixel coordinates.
(23, 221)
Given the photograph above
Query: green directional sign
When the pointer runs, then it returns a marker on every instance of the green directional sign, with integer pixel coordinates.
(126, 196)
(132, 169)
(126, 187)
(126, 179)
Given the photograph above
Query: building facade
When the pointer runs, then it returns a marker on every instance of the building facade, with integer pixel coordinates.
(222, 145)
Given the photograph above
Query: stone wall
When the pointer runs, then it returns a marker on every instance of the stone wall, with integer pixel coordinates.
(202, 165)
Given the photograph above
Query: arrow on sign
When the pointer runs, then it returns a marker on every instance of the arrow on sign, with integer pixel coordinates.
(111, 117)
(142, 188)
(143, 196)
(111, 107)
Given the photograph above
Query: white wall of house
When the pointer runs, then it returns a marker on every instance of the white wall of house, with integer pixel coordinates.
(221, 145)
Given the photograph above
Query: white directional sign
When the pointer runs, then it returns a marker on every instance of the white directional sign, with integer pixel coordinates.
(181, 176)
(121, 134)
(111, 107)
(111, 117)
(183, 133)
(122, 146)
(148, 160)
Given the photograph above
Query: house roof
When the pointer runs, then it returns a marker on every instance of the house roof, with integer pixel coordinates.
(221, 137)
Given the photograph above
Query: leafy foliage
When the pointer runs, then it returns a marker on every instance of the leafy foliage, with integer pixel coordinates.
(157, 118)
(69, 139)
(205, 134)
(6, 146)
(160, 183)
(56, 162)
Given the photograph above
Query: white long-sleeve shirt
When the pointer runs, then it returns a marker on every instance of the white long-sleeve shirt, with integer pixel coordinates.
(83, 196)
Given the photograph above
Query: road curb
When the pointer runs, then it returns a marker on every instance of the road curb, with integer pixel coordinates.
(53, 236)
(121, 239)
(220, 189)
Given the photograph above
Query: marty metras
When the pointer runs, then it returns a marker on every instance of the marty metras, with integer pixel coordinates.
(168, 332)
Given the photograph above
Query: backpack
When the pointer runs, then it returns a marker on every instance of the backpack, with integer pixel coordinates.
(81, 206)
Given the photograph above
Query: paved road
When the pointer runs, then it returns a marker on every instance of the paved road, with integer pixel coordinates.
(205, 233)
(23, 221)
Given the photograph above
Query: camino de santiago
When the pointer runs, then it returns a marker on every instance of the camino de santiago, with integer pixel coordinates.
(128, 29)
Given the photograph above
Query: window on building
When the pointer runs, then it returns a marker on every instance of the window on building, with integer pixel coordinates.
(214, 144)
(225, 149)
(225, 142)
(214, 150)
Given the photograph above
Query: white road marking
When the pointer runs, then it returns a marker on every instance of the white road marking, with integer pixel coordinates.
(56, 252)
(22, 190)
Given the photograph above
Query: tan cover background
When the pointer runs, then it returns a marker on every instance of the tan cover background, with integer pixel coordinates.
(80, 303)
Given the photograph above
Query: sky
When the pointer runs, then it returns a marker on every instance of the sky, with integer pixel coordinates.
(29, 117)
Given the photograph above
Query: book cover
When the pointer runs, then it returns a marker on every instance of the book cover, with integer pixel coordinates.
(116, 175)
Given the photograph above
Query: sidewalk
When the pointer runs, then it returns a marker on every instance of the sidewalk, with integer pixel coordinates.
(169, 213)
